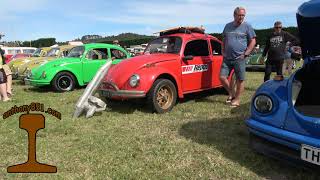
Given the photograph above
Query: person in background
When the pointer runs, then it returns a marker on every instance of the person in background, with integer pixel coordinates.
(116, 54)
(3, 81)
(276, 49)
(8, 74)
(288, 62)
(239, 40)
(116, 42)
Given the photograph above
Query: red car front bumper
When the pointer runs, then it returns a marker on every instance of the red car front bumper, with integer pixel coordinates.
(111, 91)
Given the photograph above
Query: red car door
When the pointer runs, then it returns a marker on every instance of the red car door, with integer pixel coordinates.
(217, 58)
(196, 66)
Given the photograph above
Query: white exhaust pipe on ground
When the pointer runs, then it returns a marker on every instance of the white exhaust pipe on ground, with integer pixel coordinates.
(88, 103)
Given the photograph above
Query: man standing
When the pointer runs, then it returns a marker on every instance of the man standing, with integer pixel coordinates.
(239, 40)
(276, 49)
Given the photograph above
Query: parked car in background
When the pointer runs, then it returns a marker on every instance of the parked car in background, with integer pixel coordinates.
(10, 51)
(78, 68)
(253, 61)
(16, 56)
(15, 64)
(182, 60)
(285, 113)
(56, 52)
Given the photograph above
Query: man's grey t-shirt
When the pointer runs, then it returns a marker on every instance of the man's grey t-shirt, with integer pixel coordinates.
(236, 39)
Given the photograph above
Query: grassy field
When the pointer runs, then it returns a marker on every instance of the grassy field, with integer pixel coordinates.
(201, 138)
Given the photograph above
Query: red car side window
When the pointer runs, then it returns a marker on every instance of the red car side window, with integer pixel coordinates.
(197, 48)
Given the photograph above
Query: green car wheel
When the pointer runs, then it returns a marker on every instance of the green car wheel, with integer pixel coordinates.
(63, 82)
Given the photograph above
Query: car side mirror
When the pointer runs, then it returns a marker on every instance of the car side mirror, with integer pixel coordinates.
(187, 58)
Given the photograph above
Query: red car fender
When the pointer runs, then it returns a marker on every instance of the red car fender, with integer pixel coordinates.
(159, 72)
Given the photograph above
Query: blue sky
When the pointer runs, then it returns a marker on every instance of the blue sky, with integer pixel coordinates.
(67, 20)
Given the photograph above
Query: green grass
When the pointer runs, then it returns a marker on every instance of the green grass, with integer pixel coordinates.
(201, 138)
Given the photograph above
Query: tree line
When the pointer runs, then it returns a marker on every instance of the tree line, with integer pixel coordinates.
(128, 39)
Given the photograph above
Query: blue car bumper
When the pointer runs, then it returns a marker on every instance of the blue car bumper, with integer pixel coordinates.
(279, 143)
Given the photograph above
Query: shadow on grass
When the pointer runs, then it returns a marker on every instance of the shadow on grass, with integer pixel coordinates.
(202, 96)
(230, 137)
(45, 89)
(40, 89)
(129, 106)
(251, 88)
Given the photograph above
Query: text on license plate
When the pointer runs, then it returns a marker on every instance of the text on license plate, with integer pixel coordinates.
(310, 154)
(106, 93)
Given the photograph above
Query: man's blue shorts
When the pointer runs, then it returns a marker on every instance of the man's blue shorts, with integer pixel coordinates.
(238, 65)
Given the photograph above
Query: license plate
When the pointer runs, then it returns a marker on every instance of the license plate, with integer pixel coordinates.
(106, 93)
(310, 154)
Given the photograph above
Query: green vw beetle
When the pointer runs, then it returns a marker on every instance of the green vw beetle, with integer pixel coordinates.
(78, 68)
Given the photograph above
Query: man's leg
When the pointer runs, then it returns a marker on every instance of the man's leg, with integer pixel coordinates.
(9, 84)
(268, 71)
(239, 91)
(3, 92)
(279, 65)
(224, 72)
(240, 70)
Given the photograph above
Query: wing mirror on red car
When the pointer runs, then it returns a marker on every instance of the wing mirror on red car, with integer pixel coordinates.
(186, 58)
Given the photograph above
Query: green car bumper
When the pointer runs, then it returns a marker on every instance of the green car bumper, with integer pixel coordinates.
(36, 82)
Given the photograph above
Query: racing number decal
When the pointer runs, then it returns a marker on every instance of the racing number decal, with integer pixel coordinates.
(194, 68)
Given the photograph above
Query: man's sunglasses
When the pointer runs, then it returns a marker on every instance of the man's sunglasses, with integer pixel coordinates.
(278, 27)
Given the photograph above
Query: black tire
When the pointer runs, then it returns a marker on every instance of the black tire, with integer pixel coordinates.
(63, 81)
(166, 92)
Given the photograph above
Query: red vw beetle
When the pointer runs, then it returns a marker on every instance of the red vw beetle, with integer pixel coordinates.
(182, 60)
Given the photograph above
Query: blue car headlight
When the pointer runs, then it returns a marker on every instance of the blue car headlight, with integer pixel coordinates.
(263, 104)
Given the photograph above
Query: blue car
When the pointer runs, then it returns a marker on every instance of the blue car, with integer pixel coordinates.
(285, 113)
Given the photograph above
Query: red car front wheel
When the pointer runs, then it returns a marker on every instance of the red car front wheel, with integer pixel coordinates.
(162, 96)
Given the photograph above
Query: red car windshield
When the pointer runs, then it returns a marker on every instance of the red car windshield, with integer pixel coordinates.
(170, 44)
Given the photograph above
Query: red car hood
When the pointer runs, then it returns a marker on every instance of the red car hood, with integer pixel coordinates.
(120, 73)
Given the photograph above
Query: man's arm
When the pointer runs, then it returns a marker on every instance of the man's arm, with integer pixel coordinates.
(223, 41)
(250, 47)
(222, 49)
(293, 40)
